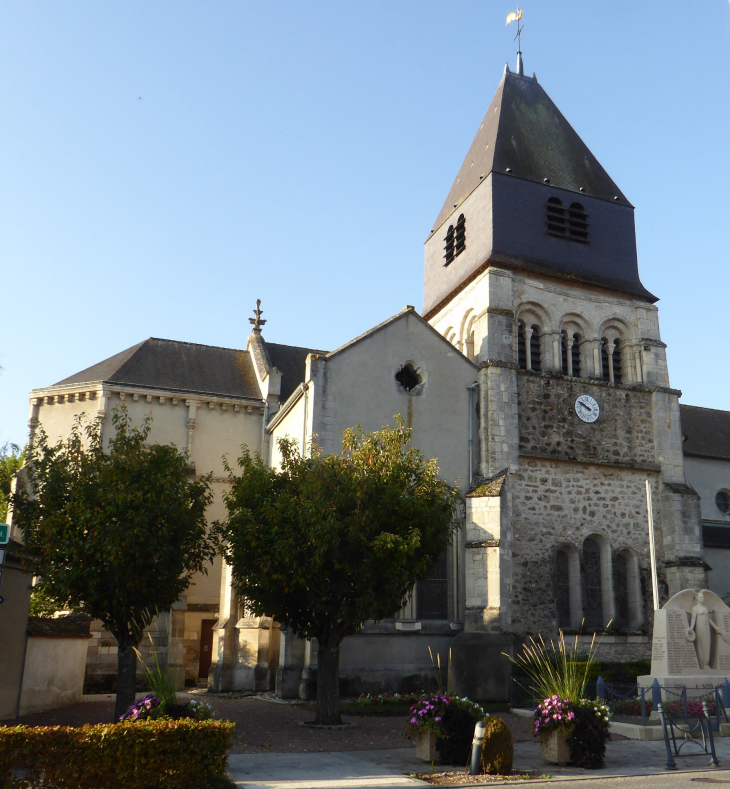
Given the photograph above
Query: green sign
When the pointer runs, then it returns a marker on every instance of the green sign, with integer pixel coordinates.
(4, 533)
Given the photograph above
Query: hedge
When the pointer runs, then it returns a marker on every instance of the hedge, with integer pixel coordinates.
(177, 754)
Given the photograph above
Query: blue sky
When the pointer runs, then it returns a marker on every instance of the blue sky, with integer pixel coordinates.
(164, 164)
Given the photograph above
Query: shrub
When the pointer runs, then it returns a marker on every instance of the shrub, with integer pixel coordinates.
(588, 737)
(676, 709)
(631, 707)
(454, 745)
(130, 755)
(498, 749)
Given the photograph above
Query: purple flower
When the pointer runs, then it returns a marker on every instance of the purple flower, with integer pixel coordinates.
(437, 718)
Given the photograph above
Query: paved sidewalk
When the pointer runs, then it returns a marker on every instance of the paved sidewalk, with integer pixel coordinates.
(629, 763)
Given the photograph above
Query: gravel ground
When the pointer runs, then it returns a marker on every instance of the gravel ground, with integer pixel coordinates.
(268, 727)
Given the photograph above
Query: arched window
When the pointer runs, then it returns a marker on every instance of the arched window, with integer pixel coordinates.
(521, 347)
(575, 351)
(449, 248)
(432, 595)
(616, 361)
(621, 590)
(556, 223)
(564, 352)
(460, 236)
(562, 588)
(627, 590)
(605, 373)
(535, 356)
(592, 584)
(578, 223)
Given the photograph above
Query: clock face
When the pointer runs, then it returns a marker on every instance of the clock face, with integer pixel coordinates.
(587, 408)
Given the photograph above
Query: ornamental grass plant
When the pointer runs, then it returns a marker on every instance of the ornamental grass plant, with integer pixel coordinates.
(555, 668)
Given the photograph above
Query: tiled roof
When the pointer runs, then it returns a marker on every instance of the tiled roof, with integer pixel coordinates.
(290, 360)
(707, 431)
(524, 131)
(176, 366)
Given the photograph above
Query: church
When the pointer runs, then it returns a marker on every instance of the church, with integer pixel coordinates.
(536, 374)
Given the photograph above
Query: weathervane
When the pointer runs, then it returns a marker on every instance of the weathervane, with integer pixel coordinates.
(257, 321)
(516, 16)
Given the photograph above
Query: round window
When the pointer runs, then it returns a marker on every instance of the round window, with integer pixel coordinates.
(722, 500)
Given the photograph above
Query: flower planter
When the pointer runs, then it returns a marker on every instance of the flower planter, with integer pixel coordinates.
(426, 746)
(554, 748)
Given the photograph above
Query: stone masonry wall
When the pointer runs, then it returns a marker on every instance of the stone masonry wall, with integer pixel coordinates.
(557, 503)
(549, 426)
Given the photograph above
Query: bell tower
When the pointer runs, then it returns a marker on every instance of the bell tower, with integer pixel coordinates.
(531, 270)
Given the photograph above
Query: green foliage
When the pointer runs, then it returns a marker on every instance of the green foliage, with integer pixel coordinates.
(161, 683)
(555, 669)
(328, 542)
(498, 750)
(454, 745)
(625, 671)
(120, 531)
(587, 740)
(174, 754)
(11, 461)
(42, 605)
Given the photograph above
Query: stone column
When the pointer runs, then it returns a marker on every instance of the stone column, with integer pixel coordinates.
(569, 353)
(308, 679)
(220, 679)
(291, 663)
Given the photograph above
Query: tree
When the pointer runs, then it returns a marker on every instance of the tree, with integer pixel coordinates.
(119, 532)
(11, 461)
(329, 542)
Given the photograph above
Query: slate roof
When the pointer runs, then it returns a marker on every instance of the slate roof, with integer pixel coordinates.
(290, 360)
(176, 366)
(707, 431)
(523, 130)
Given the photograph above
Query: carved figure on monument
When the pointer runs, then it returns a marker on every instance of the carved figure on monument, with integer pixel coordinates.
(691, 638)
(700, 630)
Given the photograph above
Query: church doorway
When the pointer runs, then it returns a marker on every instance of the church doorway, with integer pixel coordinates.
(206, 647)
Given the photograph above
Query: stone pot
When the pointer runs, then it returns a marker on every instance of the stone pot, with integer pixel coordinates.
(554, 748)
(426, 746)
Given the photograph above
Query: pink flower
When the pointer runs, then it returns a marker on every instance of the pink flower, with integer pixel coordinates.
(437, 718)
(413, 721)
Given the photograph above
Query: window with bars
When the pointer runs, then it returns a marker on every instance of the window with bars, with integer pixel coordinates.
(432, 595)
(592, 584)
(455, 240)
(570, 223)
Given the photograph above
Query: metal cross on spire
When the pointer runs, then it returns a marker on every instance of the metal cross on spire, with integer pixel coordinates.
(516, 16)
(257, 320)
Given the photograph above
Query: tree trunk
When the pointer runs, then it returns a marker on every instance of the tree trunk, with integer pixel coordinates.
(328, 685)
(126, 679)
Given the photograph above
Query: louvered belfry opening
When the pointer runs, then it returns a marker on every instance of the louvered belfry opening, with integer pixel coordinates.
(564, 352)
(571, 223)
(449, 248)
(578, 223)
(535, 349)
(556, 217)
(521, 347)
(575, 350)
(460, 236)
